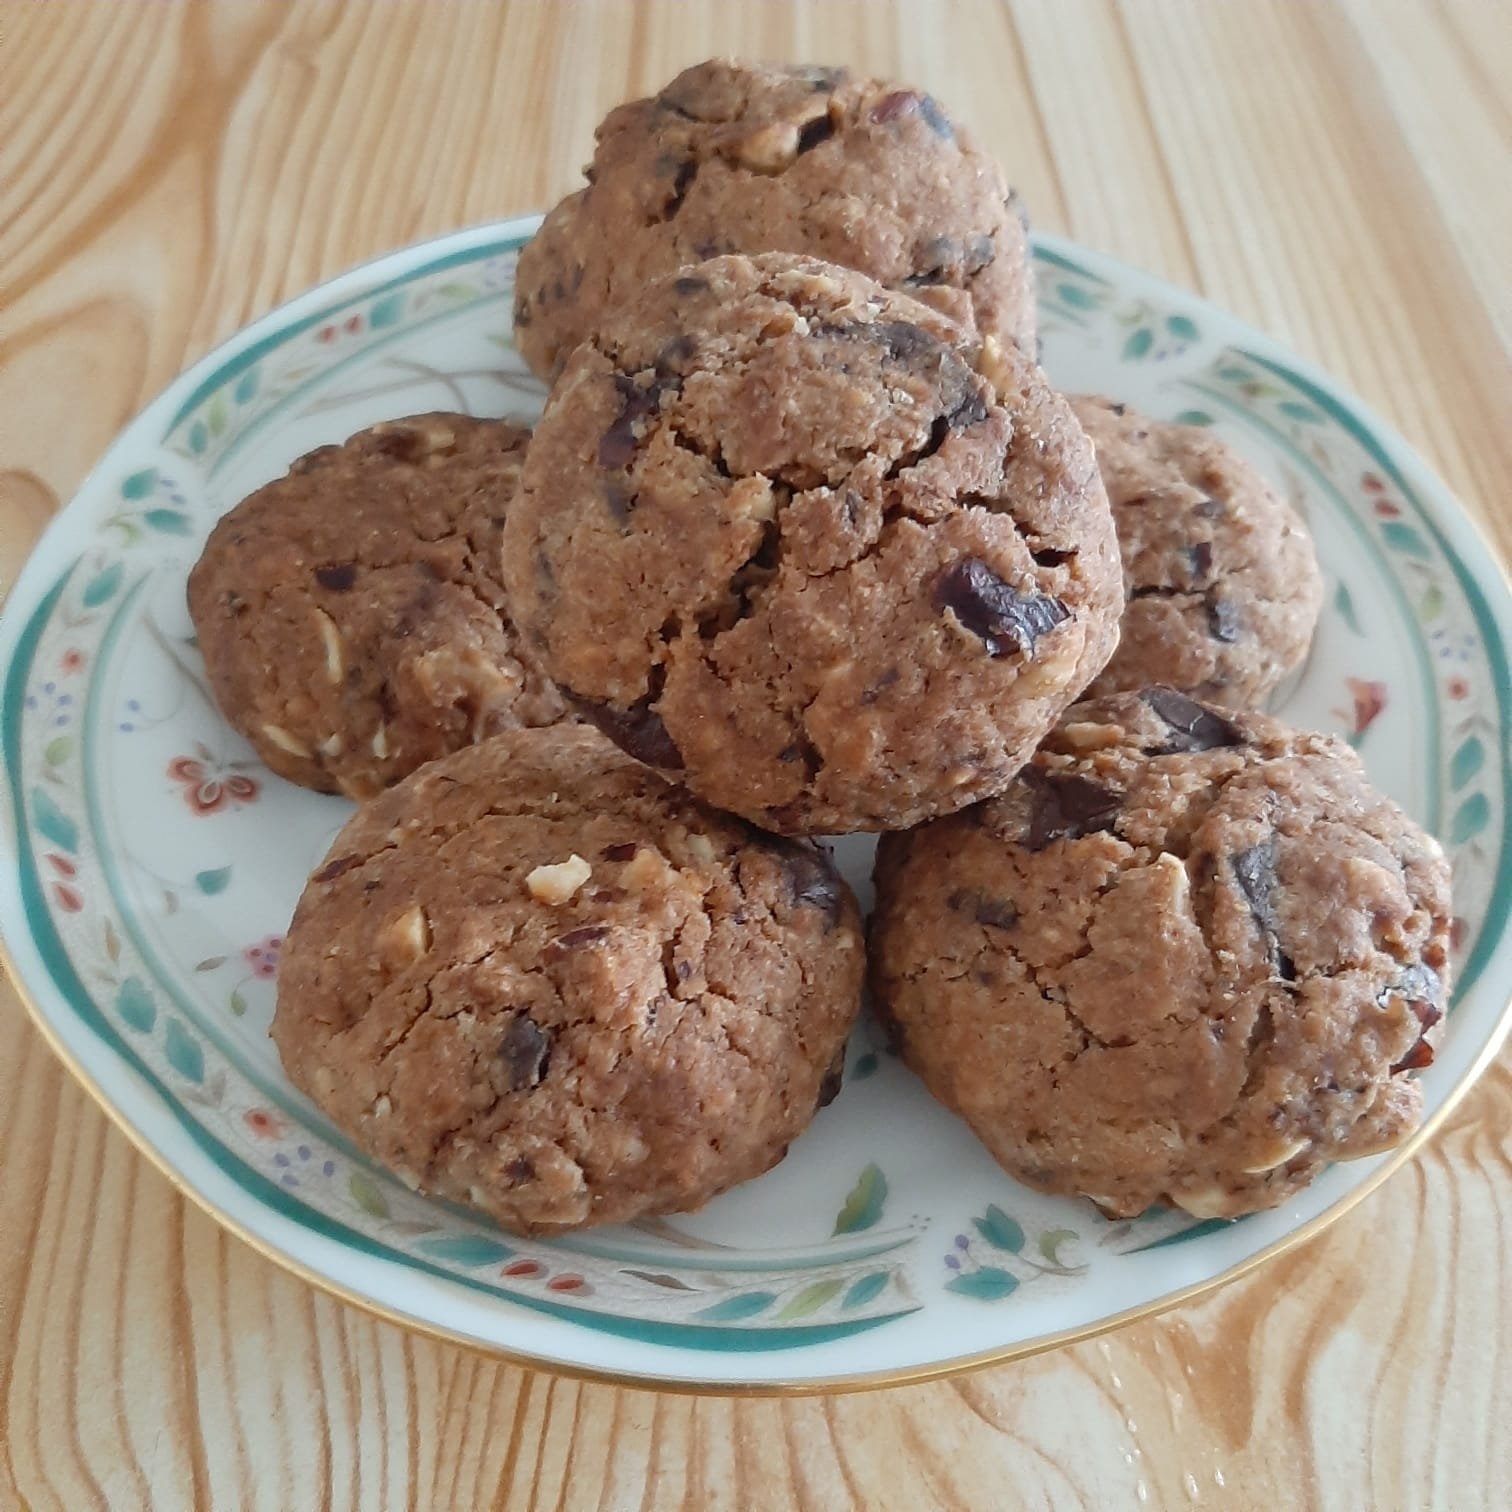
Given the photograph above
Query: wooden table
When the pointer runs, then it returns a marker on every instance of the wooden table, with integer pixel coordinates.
(1332, 170)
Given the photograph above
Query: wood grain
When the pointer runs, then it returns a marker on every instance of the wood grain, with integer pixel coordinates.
(1333, 170)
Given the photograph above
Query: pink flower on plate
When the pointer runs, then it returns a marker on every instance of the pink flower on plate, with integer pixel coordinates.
(262, 1123)
(1369, 702)
(209, 788)
(70, 662)
(263, 956)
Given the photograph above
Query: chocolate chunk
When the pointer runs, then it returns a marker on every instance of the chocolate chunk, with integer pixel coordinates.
(811, 881)
(638, 730)
(525, 1049)
(333, 869)
(1255, 872)
(1420, 1055)
(619, 443)
(981, 252)
(625, 852)
(834, 1076)
(971, 410)
(1066, 807)
(1193, 727)
(575, 939)
(1119, 409)
(619, 499)
(338, 576)
(687, 171)
(690, 283)
(1200, 558)
(939, 122)
(811, 133)
(1223, 619)
(902, 341)
(991, 913)
(887, 680)
(890, 107)
(520, 1169)
(1051, 556)
(1004, 619)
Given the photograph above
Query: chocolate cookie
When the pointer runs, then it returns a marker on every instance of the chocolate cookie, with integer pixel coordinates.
(351, 615)
(1188, 957)
(732, 157)
(806, 543)
(1222, 582)
(536, 978)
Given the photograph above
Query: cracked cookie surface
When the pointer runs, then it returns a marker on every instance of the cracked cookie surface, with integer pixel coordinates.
(1222, 581)
(538, 979)
(351, 613)
(731, 157)
(1187, 957)
(808, 544)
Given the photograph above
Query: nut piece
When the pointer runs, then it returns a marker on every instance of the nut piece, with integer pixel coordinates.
(405, 940)
(331, 636)
(769, 150)
(1278, 1156)
(555, 884)
(285, 741)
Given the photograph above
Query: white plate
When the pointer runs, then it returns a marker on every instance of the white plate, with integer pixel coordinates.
(150, 864)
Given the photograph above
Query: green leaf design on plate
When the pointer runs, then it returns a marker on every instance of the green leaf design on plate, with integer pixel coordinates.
(989, 1284)
(999, 1230)
(1234, 373)
(733, 1309)
(863, 1207)
(387, 310)
(168, 521)
(246, 385)
(1303, 412)
(183, 1051)
(455, 290)
(1431, 605)
(864, 1290)
(1195, 1231)
(199, 437)
(213, 881)
(134, 1004)
(102, 586)
(466, 1249)
(866, 1065)
(52, 823)
(1404, 538)
(1075, 296)
(55, 752)
(1470, 818)
(1344, 604)
(662, 1279)
(1052, 1241)
(140, 484)
(811, 1298)
(1194, 417)
(1139, 343)
(215, 416)
(238, 1002)
(1467, 761)
(1182, 328)
(367, 1195)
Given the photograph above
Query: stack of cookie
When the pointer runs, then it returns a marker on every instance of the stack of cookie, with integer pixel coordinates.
(805, 532)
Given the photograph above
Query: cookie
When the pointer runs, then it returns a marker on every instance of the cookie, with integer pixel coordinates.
(1223, 584)
(536, 978)
(1188, 957)
(351, 614)
(811, 546)
(732, 157)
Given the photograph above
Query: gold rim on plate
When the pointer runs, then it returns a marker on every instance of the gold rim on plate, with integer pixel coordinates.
(871, 1381)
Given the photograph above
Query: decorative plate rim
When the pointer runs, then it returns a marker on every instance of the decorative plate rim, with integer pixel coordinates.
(1459, 536)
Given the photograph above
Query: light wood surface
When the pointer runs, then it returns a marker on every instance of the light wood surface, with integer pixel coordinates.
(1336, 171)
